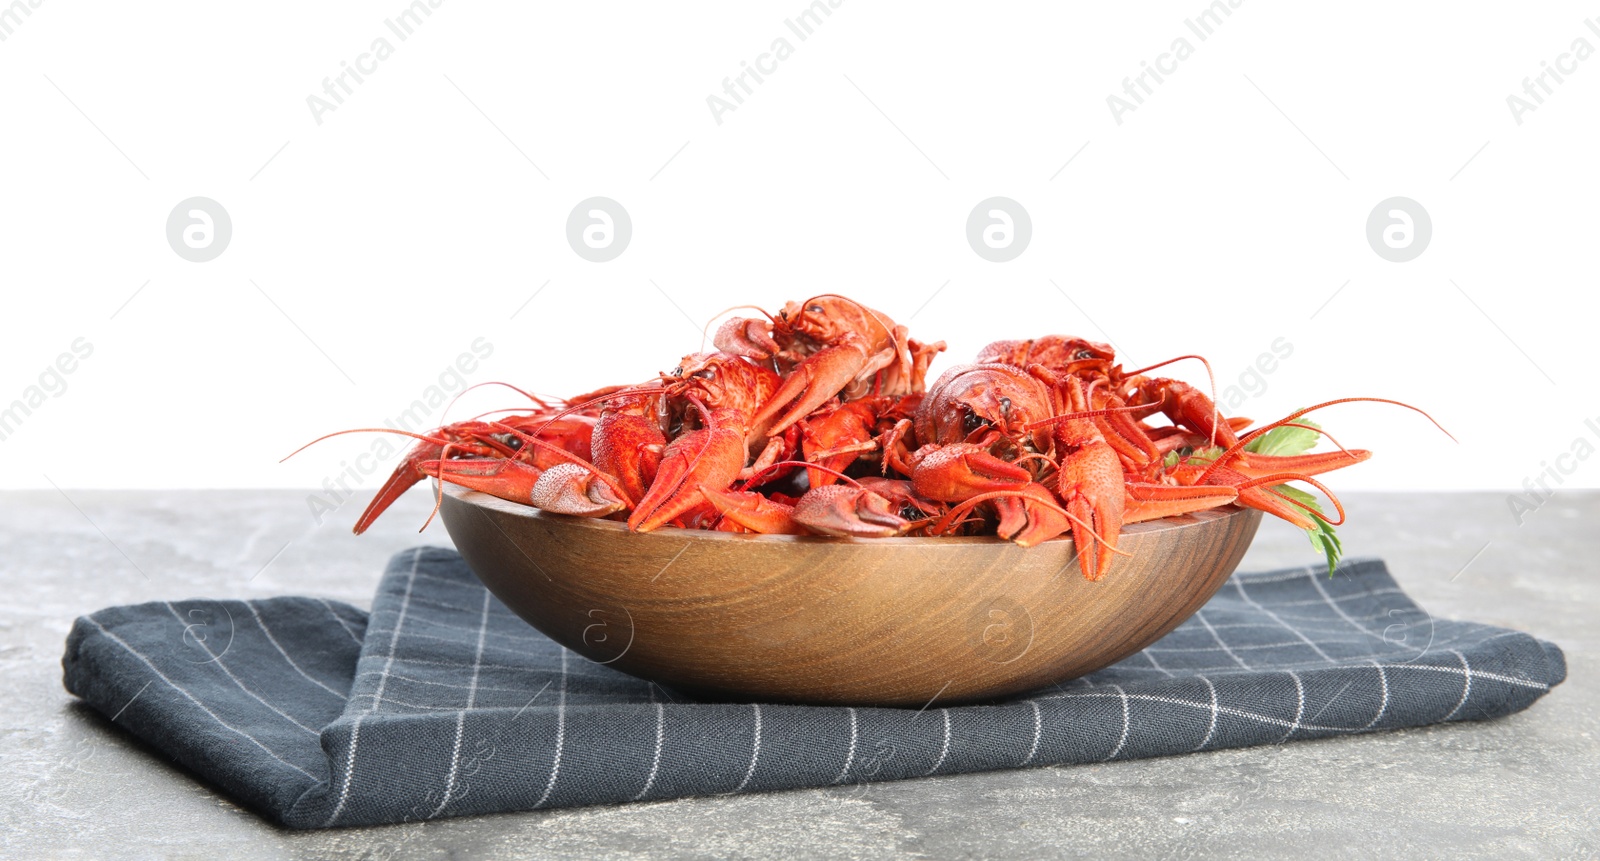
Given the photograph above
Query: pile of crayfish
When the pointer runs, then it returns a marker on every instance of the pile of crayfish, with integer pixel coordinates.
(818, 420)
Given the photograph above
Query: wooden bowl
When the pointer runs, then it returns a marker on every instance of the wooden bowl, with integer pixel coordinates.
(880, 622)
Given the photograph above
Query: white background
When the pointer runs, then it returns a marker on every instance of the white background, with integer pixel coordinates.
(1222, 214)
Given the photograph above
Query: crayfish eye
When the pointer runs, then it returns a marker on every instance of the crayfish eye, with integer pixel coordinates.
(705, 374)
(972, 421)
(513, 442)
(1005, 407)
(677, 372)
(1084, 354)
(814, 309)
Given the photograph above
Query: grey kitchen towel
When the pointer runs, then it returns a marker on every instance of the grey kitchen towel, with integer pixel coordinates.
(441, 702)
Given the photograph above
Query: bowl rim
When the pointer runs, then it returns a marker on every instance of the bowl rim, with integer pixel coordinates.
(506, 506)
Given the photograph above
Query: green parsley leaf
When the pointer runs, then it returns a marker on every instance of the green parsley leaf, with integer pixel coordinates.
(1322, 536)
(1189, 455)
(1323, 539)
(1207, 455)
(1286, 440)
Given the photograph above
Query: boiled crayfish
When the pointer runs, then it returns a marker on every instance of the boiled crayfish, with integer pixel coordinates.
(818, 420)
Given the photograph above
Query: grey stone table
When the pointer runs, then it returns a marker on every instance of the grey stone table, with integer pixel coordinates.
(74, 786)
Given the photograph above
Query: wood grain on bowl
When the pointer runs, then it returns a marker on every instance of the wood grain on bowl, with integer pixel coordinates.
(890, 621)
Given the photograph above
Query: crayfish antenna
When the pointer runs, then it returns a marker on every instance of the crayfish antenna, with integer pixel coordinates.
(538, 401)
(1288, 419)
(416, 436)
(1199, 358)
(629, 392)
(705, 331)
(398, 483)
(1049, 420)
(1320, 432)
(1281, 478)
(483, 415)
(438, 499)
(1211, 380)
